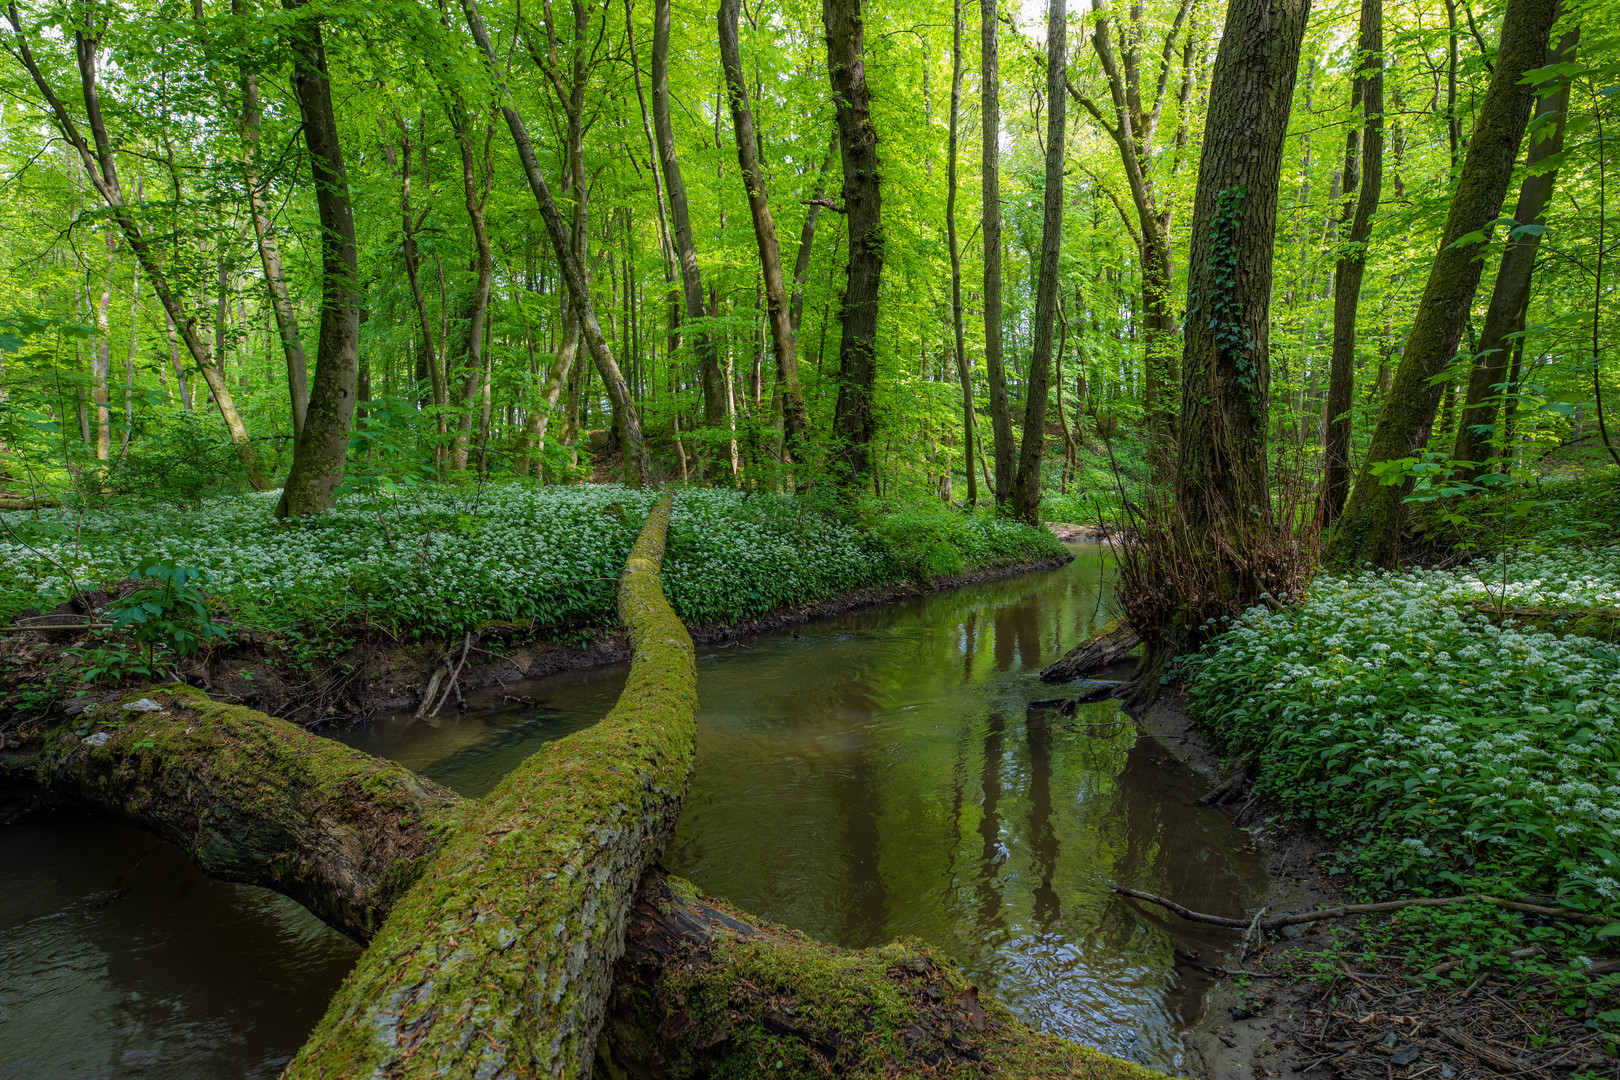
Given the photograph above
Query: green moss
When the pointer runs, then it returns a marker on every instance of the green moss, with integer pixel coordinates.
(500, 959)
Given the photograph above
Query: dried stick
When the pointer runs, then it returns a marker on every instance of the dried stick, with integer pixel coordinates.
(1345, 911)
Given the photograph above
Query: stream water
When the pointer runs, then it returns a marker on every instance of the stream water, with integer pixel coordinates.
(863, 778)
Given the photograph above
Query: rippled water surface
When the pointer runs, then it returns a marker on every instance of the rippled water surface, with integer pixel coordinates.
(867, 777)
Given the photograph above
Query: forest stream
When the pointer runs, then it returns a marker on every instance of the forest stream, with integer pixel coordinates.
(866, 777)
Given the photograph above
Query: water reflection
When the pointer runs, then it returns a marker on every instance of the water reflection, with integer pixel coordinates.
(876, 777)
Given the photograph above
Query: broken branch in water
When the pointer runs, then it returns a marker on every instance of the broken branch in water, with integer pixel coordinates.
(1345, 911)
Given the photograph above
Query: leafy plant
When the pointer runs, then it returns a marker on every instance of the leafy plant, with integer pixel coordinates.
(171, 613)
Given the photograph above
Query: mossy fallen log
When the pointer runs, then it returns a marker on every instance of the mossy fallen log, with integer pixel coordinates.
(499, 961)
(250, 798)
(1096, 652)
(703, 990)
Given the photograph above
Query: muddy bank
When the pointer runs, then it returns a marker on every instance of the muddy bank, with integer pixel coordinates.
(362, 674)
(1333, 1000)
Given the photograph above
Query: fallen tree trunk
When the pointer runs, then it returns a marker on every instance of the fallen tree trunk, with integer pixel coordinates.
(250, 798)
(498, 962)
(1096, 652)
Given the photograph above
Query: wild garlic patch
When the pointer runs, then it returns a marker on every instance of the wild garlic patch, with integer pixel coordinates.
(1408, 710)
(438, 559)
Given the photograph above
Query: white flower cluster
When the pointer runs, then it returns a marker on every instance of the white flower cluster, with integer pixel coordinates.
(1408, 703)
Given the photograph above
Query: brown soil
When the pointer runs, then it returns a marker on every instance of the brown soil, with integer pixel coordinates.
(1072, 533)
(1319, 1001)
(366, 674)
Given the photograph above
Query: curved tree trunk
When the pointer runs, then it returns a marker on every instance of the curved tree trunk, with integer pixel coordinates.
(795, 420)
(1511, 292)
(1363, 170)
(854, 422)
(320, 455)
(1370, 528)
(1026, 493)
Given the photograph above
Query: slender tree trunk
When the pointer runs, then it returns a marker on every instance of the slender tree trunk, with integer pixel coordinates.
(474, 194)
(129, 360)
(1026, 493)
(796, 421)
(1511, 292)
(1221, 475)
(1363, 177)
(103, 358)
(275, 277)
(854, 422)
(636, 469)
(807, 237)
(319, 457)
(964, 369)
(703, 343)
(1371, 526)
(990, 114)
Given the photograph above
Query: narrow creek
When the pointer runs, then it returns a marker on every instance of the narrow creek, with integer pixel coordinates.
(862, 778)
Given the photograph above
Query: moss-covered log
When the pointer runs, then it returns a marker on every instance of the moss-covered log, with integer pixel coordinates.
(1099, 650)
(499, 961)
(705, 991)
(249, 798)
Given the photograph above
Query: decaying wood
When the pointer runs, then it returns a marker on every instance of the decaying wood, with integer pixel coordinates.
(1345, 911)
(1096, 652)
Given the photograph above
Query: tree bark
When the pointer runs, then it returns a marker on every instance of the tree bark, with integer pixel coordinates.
(990, 217)
(703, 343)
(319, 457)
(102, 364)
(964, 369)
(100, 166)
(1026, 494)
(1364, 178)
(275, 276)
(500, 960)
(1221, 475)
(854, 422)
(1370, 528)
(796, 421)
(474, 195)
(1511, 293)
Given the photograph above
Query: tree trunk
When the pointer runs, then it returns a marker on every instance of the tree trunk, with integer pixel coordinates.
(1511, 292)
(1221, 475)
(703, 343)
(807, 236)
(275, 277)
(474, 194)
(796, 421)
(990, 114)
(1026, 494)
(854, 423)
(964, 369)
(1363, 177)
(1370, 528)
(102, 363)
(100, 166)
(319, 457)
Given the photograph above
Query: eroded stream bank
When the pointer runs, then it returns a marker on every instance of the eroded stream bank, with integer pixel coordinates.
(868, 776)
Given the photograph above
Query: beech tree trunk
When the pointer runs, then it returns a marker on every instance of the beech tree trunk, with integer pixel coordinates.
(1511, 293)
(474, 194)
(1026, 494)
(703, 343)
(275, 276)
(1370, 528)
(1221, 475)
(1363, 177)
(320, 455)
(795, 420)
(1001, 432)
(964, 369)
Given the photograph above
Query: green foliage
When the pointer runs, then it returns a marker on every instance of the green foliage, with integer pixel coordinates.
(170, 612)
(440, 559)
(180, 458)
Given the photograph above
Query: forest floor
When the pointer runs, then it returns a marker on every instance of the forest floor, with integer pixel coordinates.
(436, 590)
(1344, 1000)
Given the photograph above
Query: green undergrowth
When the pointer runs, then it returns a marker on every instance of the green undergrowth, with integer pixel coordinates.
(1457, 734)
(442, 559)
